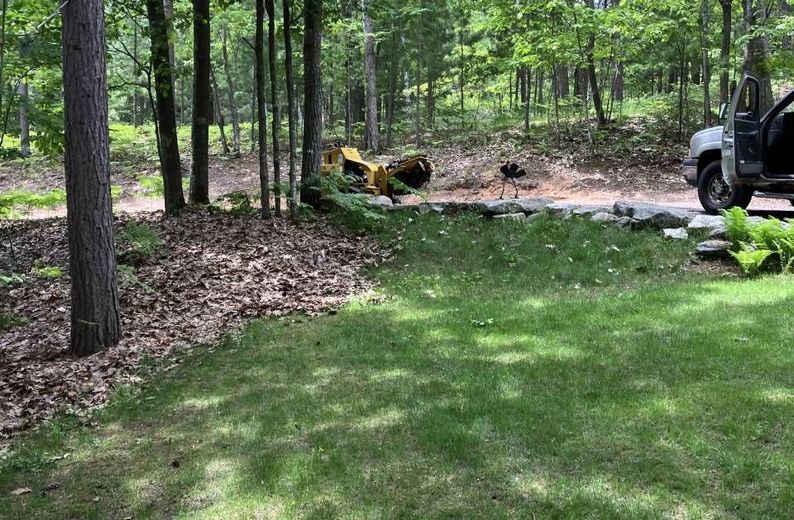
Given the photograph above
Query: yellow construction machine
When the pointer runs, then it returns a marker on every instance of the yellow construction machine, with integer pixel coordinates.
(376, 179)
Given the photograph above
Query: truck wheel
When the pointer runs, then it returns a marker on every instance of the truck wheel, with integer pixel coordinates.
(716, 194)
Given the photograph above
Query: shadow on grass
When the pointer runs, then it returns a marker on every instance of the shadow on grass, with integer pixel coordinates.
(661, 399)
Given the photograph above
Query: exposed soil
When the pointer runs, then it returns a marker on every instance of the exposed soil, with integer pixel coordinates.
(217, 272)
(630, 167)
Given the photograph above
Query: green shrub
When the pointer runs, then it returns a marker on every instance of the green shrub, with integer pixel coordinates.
(153, 186)
(234, 203)
(141, 244)
(8, 279)
(13, 203)
(355, 207)
(48, 272)
(756, 246)
(736, 225)
(9, 320)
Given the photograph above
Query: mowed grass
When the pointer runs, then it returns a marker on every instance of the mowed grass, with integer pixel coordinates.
(557, 369)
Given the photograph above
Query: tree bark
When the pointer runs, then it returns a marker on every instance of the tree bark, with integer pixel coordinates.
(92, 260)
(219, 119)
(591, 72)
(725, 49)
(704, 27)
(756, 55)
(24, 122)
(312, 104)
(163, 80)
(292, 116)
(275, 112)
(390, 102)
(231, 91)
(259, 49)
(199, 172)
(371, 131)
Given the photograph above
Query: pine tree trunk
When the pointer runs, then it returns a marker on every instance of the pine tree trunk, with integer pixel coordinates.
(390, 103)
(292, 117)
(276, 113)
(259, 48)
(756, 55)
(704, 50)
(92, 260)
(202, 107)
(220, 120)
(163, 86)
(312, 95)
(24, 122)
(230, 92)
(372, 133)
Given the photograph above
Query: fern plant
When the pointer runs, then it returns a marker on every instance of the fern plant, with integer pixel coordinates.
(736, 225)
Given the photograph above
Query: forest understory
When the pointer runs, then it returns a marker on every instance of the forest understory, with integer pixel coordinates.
(631, 163)
(211, 274)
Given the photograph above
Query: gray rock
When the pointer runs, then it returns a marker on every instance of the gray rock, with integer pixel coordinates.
(706, 222)
(589, 211)
(649, 215)
(604, 217)
(428, 207)
(511, 216)
(535, 216)
(713, 249)
(381, 202)
(503, 207)
(562, 209)
(676, 233)
(719, 233)
(625, 222)
(402, 207)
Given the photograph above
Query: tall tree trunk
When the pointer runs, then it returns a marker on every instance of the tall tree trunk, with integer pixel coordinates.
(292, 116)
(259, 48)
(254, 91)
(230, 92)
(164, 90)
(312, 101)
(24, 122)
(219, 119)
(526, 75)
(276, 113)
(3, 14)
(371, 131)
(390, 104)
(92, 259)
(785, 11)
(704, 51)
(756, 55)
(725, 49)
(135, 73)
(202, 107)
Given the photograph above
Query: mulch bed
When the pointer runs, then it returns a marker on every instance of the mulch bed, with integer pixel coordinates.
(218, 272)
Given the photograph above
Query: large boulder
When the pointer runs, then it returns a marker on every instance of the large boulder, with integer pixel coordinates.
(511, 216)
(561, 209)
(381, 202)
(652, 216)
(714, 249)
(604, 217)
(505, 207)
(707, 222)
(589, 211)
(676, 233)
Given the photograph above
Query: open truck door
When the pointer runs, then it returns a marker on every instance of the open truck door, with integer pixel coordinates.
(742, 147)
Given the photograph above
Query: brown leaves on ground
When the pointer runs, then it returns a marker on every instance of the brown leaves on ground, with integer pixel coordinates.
(220, 270)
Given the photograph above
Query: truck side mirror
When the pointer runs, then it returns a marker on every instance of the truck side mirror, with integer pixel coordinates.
(723, 109)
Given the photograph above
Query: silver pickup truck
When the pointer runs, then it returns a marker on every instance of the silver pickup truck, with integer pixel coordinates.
(752, 155)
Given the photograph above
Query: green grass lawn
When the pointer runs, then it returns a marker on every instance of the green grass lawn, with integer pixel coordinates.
(547, 370)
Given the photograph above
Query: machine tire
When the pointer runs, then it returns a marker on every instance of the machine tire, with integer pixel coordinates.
(715, 194)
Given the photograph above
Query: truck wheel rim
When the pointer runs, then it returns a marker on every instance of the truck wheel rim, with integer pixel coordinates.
(719, 190)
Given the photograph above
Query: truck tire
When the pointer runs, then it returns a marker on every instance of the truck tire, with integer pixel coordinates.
(715, 194)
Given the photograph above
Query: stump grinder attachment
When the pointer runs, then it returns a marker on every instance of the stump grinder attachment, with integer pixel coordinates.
(413, 172)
